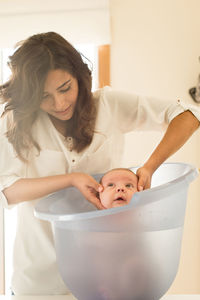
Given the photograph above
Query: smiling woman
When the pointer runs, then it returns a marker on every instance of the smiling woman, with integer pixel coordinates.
(60, 97)
(8, 218)
(40, 163)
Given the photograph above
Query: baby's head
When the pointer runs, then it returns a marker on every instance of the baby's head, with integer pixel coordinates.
(119, 185)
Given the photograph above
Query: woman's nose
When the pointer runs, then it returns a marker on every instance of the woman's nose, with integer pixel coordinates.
(59, 103)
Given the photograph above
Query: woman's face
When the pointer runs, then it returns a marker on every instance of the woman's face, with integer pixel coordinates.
(60, 95)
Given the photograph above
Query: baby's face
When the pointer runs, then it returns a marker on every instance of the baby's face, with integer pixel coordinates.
(118, 188)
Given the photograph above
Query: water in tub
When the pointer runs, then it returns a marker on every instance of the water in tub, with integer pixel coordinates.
(130, 266)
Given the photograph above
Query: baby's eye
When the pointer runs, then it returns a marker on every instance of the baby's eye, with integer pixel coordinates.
(110, 184)
(129, 185)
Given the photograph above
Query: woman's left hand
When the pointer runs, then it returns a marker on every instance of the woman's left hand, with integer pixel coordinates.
(144, 178)
(178, 132)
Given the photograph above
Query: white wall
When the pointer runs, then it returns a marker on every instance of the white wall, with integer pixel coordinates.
(78, 21)
(154, 51)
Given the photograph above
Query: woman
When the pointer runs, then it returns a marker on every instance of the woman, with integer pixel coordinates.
(54, 132)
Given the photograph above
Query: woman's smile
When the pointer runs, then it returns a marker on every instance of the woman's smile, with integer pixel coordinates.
(63, 112)
(59, 97)
(60, 94)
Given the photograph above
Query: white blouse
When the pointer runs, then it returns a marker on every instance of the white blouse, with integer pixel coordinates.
(35, 269)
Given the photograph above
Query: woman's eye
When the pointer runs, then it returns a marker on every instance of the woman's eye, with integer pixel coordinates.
(45, 97)
(65, 90)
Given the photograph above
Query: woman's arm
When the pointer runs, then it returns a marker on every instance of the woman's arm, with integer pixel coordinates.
(32, 188)
(178, 132)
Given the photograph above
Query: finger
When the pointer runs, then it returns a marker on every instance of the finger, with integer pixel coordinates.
(96, 186)
(96, 202)
(100, 189)
(93, 197)
(93, 191)
(100, 206)
(140, 188)
(141, 185)
(148, 185)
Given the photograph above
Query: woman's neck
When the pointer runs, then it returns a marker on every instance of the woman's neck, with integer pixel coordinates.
(61, 126)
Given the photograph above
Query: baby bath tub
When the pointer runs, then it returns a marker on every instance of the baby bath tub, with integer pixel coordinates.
(124, 253)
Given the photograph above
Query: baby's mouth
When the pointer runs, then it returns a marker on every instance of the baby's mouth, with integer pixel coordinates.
(120, 199)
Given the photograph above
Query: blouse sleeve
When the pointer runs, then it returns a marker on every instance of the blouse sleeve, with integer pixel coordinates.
(11, 167)
(132, 112)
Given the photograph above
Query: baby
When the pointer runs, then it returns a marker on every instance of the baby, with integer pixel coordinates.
(119, 185)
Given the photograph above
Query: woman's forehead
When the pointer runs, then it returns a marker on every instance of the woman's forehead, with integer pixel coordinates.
(56, 77)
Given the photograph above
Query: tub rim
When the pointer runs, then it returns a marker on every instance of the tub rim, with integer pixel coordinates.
(42, 211)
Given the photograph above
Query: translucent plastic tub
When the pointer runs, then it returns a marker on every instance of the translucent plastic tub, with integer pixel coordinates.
(124, 253)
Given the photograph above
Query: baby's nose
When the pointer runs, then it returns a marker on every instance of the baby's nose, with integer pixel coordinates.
(120, 189)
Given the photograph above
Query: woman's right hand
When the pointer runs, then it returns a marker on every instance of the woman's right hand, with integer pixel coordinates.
(27, 189)
(88, 186)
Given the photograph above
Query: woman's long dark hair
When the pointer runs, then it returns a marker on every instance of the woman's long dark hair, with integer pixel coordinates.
(30, 64)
